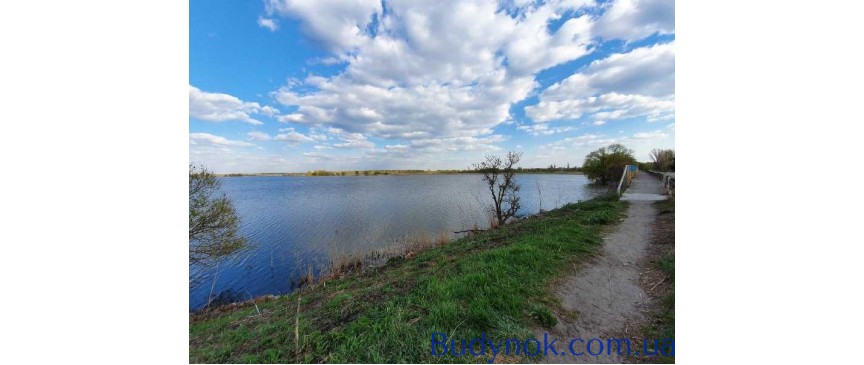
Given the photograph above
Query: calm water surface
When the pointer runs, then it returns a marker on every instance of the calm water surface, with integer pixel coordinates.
(297, 222)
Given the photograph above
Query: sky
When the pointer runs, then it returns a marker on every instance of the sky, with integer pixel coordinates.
(293, 86)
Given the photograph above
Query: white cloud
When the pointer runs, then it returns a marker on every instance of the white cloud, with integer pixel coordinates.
(422, 111)
(336, 24)
(216, 107)
(437, 77)
(606, 106)
(292, 137)
(455, 144)
(259, 136)
(295, 117)
(599, 122)
(636, 19)
(269, 111)
(650, 135)
(579, 146)
(396, 147)
(585, 140)
(644, 71)
(325, 61)
(640, 83)
(532, 48)
(428, 69)
(351, 140)
(268, 23)
(317, 155)
(226, 160)
(543, 129)
(206, 139)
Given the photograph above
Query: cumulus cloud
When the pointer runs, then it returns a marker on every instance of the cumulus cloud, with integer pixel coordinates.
(336, 24)
(268, 23)
(650, 135)
(217, 107)
(606, 106)
(350, 140)
(292, 137)
(437, 76)
(567, 148)
(644, 71)
(636, 19)
(259, 136)
(424, 70)
(269, 111)
(590, 141)
(543, 129)
(226, 160)
(532, 48)
(206, 139)
(640, 83)
(294, 117)
(317, 155)
(585, 140)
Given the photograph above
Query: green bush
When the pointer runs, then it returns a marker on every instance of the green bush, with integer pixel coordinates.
(543, 316)
(606, 164)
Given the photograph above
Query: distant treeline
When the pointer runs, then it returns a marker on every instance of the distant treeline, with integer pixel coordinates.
(264, 174)
(552, 169)
(546, 170)
(378, 172)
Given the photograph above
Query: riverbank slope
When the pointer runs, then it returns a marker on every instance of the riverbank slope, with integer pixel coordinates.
(496, 283)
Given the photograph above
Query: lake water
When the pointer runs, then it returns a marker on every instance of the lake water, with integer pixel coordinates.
(297, 222)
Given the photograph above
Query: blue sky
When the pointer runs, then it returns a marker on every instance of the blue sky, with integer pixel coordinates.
(289, 86)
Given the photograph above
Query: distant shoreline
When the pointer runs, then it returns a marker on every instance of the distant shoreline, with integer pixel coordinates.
(322, 173)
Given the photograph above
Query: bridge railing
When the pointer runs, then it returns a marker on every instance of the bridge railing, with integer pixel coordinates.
(668, 179)
(626, 177)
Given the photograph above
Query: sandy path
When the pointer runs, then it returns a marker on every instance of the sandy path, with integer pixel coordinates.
(605, 292)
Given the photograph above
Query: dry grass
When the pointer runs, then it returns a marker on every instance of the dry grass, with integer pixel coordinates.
(493, 223)
(344, 264)
(657, 279)
(421, 242)
(443, 239)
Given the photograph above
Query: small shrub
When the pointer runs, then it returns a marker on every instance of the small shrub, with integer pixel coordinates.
(666, 264)
(663, 160)
(543, 316)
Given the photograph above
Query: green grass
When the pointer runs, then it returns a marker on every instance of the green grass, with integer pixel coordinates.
(497, 283)
(663, 324)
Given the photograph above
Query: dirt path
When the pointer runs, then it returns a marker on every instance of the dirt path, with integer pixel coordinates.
(605, 292)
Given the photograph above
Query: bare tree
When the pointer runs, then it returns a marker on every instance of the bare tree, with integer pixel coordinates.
(499, 176)
(664, 160)
(212, 219)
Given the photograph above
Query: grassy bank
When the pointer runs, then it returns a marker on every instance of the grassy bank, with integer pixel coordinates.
(494, 282)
